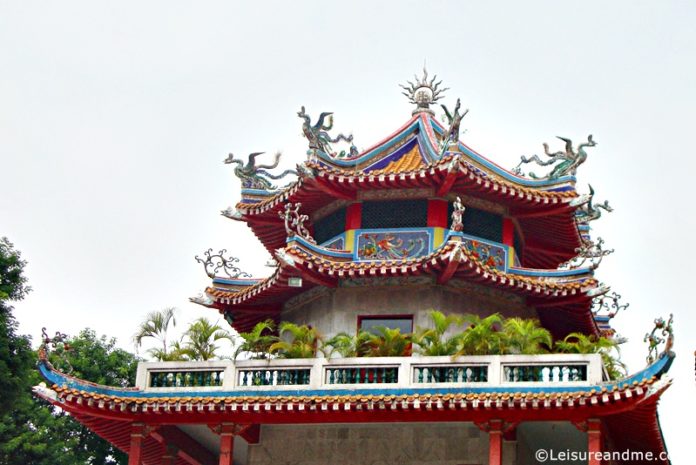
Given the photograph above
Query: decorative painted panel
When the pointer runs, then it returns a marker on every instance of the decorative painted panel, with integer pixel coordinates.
(337, 243)
(393, 244)
(487, 253)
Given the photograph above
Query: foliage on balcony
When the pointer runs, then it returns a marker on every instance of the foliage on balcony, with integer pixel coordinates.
(490, 335)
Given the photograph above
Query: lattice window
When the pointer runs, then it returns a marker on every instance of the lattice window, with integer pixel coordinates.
(480, 223)
(330, 226)
(395, 214)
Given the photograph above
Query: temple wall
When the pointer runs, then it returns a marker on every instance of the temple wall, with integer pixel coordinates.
(374, 444)
(334, 310)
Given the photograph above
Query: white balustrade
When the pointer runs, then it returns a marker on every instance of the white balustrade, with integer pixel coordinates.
(372, 372)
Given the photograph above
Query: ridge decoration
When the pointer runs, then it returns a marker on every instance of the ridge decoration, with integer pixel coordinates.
(566, 161)
(320, 140)
(254, 176)
(212, 263)
(666, 336)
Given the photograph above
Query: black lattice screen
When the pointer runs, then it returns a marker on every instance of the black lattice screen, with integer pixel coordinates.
(480, 223)
(331, 225)
(395, 214)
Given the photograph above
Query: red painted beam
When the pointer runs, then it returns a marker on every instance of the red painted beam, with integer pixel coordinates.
(252, 434)
(189, 449)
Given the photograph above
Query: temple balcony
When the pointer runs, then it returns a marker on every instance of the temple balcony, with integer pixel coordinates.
(383, 373)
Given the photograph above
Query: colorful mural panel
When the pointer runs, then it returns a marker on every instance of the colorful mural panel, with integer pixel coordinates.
(337, 243)
(392, 245)
(487, 254)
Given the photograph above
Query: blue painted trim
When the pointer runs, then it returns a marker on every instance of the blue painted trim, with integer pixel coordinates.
(658, 368)
(236, 282)
(558, 273)
(260, 192)
(319, 249)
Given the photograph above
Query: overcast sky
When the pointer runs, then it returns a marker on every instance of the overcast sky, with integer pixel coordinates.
(115, 119)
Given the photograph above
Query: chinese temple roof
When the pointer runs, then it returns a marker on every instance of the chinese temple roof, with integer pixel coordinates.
(250, 301)
(411, 159)
(627, 406)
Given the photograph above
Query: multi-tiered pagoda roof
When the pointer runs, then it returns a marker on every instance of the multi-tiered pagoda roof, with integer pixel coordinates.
(420, 214)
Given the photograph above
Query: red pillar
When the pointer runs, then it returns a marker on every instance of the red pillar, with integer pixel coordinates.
(353, 216)
(227, 432)
(594, 441)
(495, 442)
(437, 213)
(226, 448)
(508, 232)
(139, 431)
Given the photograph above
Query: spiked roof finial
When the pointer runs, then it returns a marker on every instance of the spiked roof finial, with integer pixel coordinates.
(423, 92)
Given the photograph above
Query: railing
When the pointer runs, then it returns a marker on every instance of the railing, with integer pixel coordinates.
(383, 372)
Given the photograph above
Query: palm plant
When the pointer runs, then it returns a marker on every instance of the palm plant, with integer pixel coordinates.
(525, 336)
(257, 342)
(358, 345)
(482, 336)
(389, 342)
(201, 337)
(579, 343)
(432, 341)
(303, 343)
(156, 326)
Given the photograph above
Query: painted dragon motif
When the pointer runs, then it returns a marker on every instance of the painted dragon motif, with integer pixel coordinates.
(318, 137)
(254, 176)
(566, 161)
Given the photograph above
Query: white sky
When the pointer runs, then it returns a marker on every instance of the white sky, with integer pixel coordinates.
(115, 119)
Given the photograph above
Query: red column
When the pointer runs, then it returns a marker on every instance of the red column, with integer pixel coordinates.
(594, 441)
(353, 216)
(227, 432)
(508, 232)
(495, 442)
(437, 213)
(226, 448)
(139, 432)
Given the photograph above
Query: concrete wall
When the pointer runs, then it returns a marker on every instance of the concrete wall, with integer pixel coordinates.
(334, 310)
(374, 444)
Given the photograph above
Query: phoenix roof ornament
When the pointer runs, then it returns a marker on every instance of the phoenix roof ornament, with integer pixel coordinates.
(423, 93)
(566, 161)
(589, 211)
(252, 175)
(319, 138)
